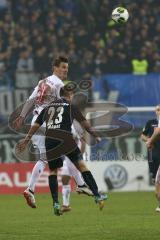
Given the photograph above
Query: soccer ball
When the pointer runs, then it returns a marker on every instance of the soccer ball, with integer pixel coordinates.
(120, 15)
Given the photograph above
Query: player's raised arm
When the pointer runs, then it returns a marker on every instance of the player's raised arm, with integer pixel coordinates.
(26, 108)
(76, 114)
(86, 125)
(39, 121)
(29, 103)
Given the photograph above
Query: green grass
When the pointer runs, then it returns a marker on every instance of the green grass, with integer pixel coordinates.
(126, 216)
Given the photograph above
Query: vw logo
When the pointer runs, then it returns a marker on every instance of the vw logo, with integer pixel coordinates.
(117, 174)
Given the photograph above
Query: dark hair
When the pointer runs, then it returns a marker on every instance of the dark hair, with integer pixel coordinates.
(60, 59)
(64, 92)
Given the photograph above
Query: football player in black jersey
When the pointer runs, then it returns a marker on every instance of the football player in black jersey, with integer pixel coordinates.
(59, 116)
(150, 132)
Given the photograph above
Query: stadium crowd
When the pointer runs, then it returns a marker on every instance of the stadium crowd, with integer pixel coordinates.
(33, 32)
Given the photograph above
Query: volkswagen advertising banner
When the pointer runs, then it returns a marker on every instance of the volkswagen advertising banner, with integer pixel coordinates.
(121, 175)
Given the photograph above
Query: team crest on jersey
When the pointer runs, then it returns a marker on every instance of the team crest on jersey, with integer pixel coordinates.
(45, 91)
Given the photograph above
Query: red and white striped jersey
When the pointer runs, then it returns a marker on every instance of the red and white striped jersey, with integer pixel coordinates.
(46, 91)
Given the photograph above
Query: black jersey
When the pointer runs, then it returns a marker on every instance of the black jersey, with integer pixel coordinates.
(154, 154)
(59, 115)
(149, 130)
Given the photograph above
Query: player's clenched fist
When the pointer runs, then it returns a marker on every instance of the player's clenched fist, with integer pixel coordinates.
(22, 145)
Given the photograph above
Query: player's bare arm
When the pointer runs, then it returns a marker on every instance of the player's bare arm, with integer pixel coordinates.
(76, 114)
(23, 143)
(144, 137)
(153, 138)
(86, 125)
(17, 124)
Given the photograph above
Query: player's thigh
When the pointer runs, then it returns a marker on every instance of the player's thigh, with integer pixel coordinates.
(157, 179)
(73, 169)
(55, 164)
(75, 156)
(39, 143)
(77, 159)
(38, 139)
(70, 165)
(156, 163)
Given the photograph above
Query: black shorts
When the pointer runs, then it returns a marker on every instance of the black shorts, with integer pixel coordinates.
(54, 163)
(75, 155)
(153, 162)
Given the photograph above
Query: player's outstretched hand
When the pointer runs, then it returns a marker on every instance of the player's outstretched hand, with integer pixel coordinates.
(17, 124)
(21, 145)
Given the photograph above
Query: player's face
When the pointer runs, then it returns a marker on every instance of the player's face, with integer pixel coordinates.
(62, 71)
(157, 111)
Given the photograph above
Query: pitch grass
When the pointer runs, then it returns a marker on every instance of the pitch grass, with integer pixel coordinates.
(126, 216)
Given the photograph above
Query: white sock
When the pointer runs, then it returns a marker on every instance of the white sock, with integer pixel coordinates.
(36, 172)
(66, 189)
(77, 176)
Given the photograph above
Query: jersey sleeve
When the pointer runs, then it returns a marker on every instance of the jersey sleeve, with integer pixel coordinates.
(34, 93)
(146, 129)
(76, 114)
(29, 103)
(41, 117)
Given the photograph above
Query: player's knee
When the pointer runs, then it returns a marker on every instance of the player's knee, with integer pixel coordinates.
(158, 196)
(82, 166)
(65, 179)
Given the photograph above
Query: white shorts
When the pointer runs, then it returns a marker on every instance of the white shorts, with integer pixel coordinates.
(38, 139)
(68, 167)
(157, 180)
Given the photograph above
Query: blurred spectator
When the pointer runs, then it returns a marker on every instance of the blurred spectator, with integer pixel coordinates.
(157, 63)
(98, 85)
(3, 5)
(140, 65)
(25, 76)
(83, 31)
(41, 62)
(5, 81)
